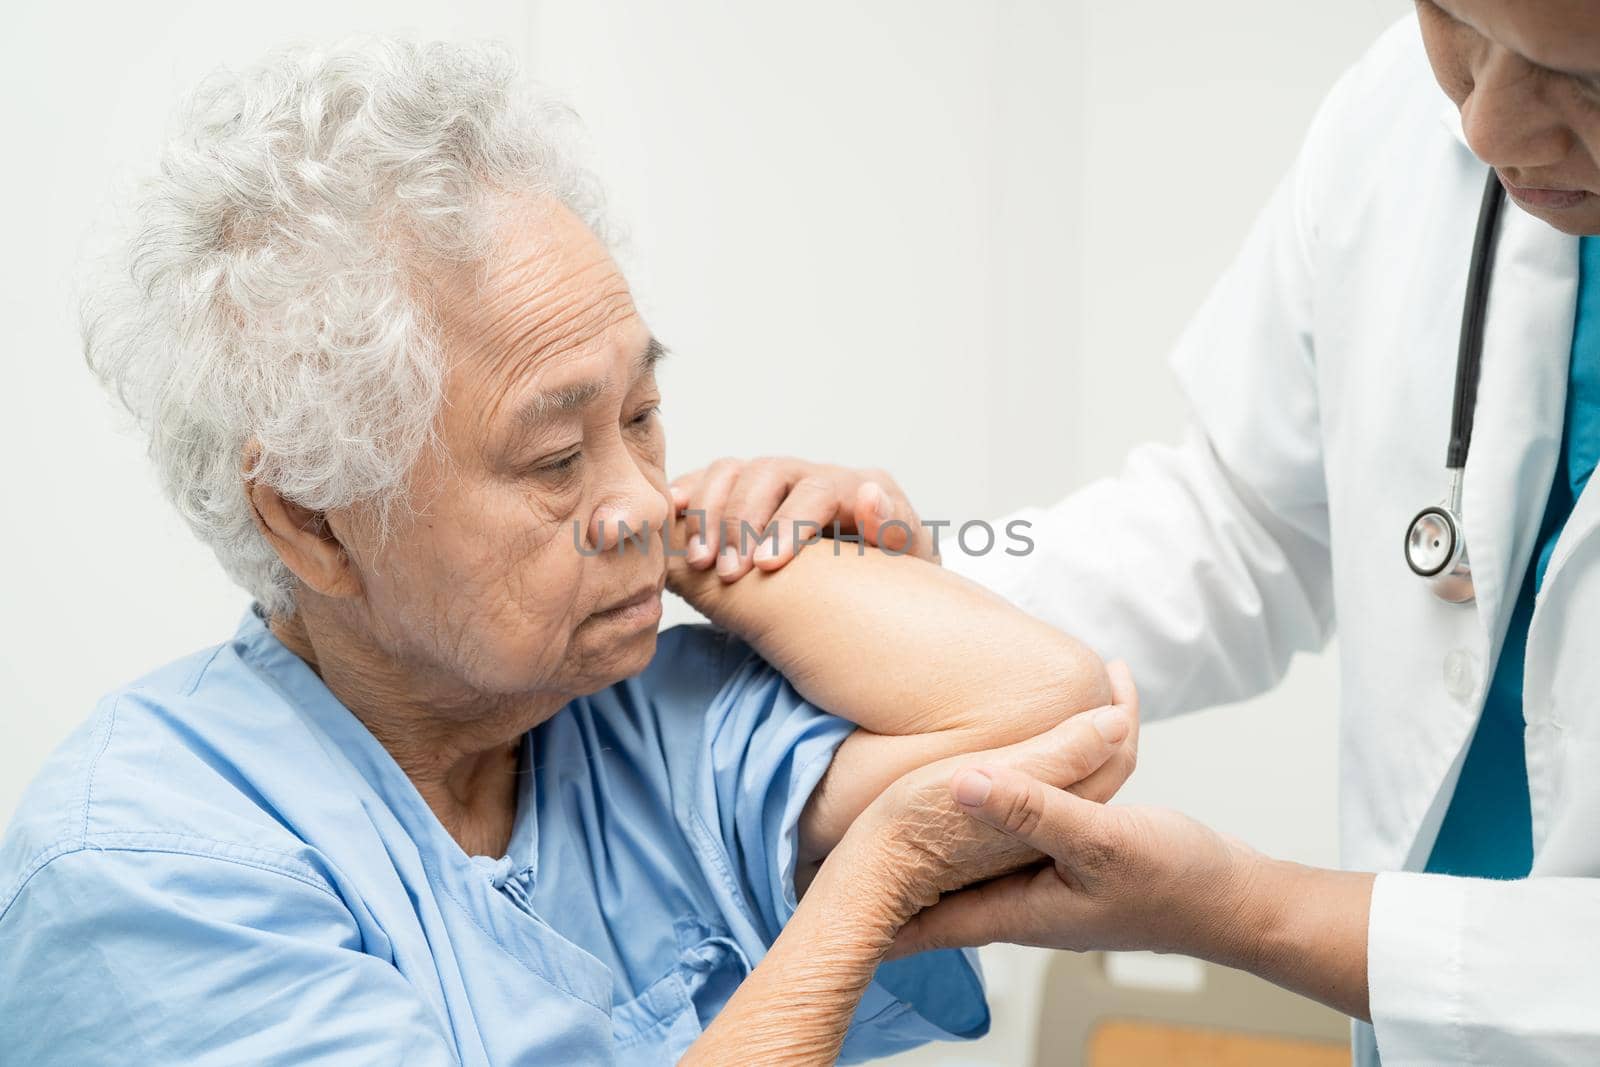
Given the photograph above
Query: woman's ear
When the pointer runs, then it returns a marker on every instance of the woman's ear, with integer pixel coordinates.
(303, 539)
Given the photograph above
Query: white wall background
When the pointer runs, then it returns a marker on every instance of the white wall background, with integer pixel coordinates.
(946, 237)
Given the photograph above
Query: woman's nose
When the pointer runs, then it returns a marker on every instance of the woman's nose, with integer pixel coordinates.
(632, 508)
(1510, 120)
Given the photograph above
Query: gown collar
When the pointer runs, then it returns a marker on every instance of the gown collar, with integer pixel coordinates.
(307, 692)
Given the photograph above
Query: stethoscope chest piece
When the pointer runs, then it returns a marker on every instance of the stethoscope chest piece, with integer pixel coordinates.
(1437, 551)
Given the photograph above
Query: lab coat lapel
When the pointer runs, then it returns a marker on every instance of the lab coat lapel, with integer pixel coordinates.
(1558, 702)
(1585, 518)
(1521, 402)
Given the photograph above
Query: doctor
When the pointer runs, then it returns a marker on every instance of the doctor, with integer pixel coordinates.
(1324, 373)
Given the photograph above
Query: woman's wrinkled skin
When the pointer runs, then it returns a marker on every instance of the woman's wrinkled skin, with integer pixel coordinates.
(476, 617)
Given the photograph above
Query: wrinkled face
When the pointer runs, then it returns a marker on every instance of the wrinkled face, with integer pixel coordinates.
(550, 434)
(1526, 76)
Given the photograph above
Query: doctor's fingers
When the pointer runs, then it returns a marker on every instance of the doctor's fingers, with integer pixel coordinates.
(808, 506)
(867, 503)
(1031, 907)
(884, 517)
(744, 504)
(702, 496)
(1068, 753)
(1104, 783)
(1080, 835)
(748, 514)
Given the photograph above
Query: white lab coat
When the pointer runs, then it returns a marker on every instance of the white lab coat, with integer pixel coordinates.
(1319, 371)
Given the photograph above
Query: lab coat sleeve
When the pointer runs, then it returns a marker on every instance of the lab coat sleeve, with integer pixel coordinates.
(142, 956)
(1469, 971)
(1205, 565)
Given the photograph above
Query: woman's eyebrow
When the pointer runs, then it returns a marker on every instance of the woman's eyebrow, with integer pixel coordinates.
(541, 406)
(654, 352)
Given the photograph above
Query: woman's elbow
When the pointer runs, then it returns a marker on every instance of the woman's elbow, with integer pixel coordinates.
(1068, 680)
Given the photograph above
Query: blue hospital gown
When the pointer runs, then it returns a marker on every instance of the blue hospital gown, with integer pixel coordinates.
(224, 866)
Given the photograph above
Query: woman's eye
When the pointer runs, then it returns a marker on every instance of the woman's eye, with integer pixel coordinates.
(563, 465)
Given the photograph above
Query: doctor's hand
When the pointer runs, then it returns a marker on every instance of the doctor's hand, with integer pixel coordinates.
(1115, 878)
(804, 499)
(1128, 878)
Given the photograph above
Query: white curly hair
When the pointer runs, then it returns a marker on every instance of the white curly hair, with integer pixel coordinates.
(264, 300)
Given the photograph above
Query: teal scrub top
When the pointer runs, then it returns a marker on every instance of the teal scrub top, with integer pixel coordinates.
(224, 866)
(1488, 828)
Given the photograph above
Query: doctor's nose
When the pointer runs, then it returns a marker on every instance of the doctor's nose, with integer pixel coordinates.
(1510, 119)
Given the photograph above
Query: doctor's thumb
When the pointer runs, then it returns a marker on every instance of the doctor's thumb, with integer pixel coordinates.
(1039, 815)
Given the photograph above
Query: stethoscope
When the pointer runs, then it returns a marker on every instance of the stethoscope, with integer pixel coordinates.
(1436, 547)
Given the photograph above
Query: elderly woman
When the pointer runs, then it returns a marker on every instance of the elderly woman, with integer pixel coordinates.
(446, 796)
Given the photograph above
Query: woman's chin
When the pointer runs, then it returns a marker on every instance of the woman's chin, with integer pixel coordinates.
(605, 655)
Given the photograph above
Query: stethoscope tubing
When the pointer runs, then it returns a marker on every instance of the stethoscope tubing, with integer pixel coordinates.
(1439, 526)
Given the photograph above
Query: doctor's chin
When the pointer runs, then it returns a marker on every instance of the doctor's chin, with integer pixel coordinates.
(408, 701)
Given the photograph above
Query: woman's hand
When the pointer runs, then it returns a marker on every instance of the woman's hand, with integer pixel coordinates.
(1121, 878)
(803, 499)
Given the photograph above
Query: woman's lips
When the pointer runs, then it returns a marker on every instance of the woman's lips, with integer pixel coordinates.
(1546, 199)
(641, 610)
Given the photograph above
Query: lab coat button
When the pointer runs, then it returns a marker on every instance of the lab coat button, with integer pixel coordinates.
(1460, 674)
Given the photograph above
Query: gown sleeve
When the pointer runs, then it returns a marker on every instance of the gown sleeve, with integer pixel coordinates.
(105, 954)
(762, 751)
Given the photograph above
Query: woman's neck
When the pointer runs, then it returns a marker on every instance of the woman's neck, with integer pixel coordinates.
(462, 755)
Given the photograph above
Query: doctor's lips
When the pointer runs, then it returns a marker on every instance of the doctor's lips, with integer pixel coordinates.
(1545, 199)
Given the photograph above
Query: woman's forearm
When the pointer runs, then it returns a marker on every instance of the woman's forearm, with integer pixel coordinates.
(796, 1006)
(900, 646)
